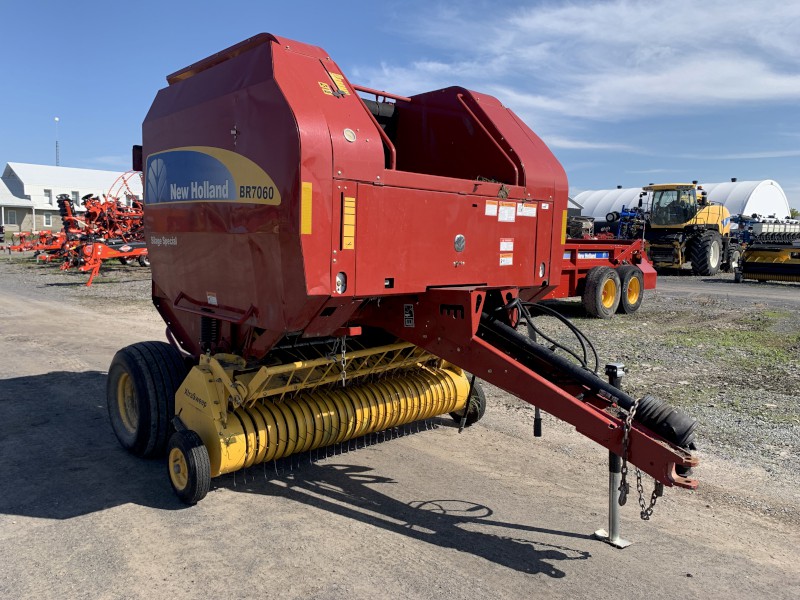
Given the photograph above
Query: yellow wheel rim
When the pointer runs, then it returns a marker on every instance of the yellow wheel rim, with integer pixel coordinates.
(634, 289)
(127, 404)
(609, 293)
(178, 469)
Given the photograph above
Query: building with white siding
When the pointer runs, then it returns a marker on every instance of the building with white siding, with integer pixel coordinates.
(28, 193)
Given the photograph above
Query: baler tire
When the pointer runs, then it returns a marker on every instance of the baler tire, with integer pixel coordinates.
(476, 407)
(144, 261)
(631, 289)
(601, 294)
(140, 396)
(188, 466)
(702, 253)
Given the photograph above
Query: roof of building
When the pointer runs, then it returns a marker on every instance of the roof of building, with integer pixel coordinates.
(63, 177)
(9, 199)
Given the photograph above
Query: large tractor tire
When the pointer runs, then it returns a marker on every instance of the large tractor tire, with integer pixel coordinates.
(601, 292)
(706, 254)
(140, 394)
(631, 290)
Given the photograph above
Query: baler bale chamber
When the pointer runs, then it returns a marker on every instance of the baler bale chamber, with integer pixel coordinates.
(331, 266)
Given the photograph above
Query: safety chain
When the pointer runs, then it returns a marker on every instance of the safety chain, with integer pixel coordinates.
(624, 487)
(658, 491)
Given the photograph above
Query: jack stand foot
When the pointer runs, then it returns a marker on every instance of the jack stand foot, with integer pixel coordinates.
(602, 535)
(611, 536)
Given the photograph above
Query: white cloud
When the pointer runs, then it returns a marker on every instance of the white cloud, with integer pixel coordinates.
(744, 155)
(571, 144)
(608, 60)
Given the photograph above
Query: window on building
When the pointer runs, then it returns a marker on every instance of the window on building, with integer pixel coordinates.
(48, 196)
(48, 220)
(76, 198)
(11, 217)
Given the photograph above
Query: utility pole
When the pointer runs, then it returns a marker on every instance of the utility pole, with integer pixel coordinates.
(57, 157)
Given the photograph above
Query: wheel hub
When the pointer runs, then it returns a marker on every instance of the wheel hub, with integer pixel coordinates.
(178, 469)
(128, 405)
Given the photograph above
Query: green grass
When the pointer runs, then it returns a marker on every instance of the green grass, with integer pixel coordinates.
(758, 336)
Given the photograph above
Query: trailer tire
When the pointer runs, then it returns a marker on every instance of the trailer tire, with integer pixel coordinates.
(144, 260)
(189, 466)
(140, 396)
(476, 407)
(601, 294)
(706, 254)
(124, 260)
(631, 289)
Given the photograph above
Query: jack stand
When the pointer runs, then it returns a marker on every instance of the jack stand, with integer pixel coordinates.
(614, 372)
(614, 477)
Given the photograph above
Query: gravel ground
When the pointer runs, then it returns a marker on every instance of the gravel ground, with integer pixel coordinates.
(490, 513)
(732, 364)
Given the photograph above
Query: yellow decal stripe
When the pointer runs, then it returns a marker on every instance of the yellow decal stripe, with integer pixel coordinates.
(305, 208)
(349, 224)
(564, 228)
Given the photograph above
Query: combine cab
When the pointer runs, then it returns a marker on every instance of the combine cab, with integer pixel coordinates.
(330, 266)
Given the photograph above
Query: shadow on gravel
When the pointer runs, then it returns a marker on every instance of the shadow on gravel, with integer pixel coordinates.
(59, 457)
(348, 491)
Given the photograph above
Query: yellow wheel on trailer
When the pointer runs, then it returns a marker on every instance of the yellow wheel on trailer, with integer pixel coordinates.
(601, 294)
(632, 288)
(189, 466)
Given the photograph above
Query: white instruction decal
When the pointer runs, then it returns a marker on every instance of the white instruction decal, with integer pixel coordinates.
(408, 315)
(506, 260)
(506, 244)
(211, 297)
(506, 212)
(526, 210)
(491, 208)
(545, 205)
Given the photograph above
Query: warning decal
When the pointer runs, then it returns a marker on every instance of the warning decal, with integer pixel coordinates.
(506, 244)
(491, 208)
(506, 212)
(506, 260)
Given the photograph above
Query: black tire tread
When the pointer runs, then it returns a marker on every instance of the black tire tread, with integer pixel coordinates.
(476, 406)
(198, 463)
(626, 273)
(699, 252)
(157, 370)
(595, 279)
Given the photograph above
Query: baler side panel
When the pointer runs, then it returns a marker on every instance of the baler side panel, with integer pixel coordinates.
(408, 237)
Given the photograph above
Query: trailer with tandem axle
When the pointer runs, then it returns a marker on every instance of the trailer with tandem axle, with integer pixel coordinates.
(609, 275)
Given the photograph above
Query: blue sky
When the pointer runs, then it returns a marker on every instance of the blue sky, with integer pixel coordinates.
(625, 92)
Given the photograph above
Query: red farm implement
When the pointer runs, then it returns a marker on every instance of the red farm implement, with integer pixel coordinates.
(308, 233)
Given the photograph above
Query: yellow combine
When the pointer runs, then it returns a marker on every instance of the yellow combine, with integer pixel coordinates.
(685, 230)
